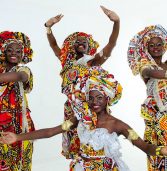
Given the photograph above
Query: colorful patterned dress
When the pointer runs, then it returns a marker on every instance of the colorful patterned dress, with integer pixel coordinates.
(154, 112)
(154, 108)
(99, 151)
(15, 117)
(71, 143)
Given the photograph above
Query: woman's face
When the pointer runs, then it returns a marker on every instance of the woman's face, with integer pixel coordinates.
(97, 101)
(81, 45)
(155, 47)
(13, 53)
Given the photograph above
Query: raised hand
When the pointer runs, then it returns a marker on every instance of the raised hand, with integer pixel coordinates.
(53, 20)
(8, 138)
(111, 14)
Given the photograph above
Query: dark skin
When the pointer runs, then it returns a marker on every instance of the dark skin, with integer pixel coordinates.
(98, 60)
(13, 56)
(97, 102)
(155, 48)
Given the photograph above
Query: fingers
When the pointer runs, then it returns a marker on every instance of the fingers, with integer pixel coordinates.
(111, 14)
(58, 18)
(105, 10)
(54, 20)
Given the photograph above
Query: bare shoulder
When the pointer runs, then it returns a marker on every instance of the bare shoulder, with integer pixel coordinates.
(120, 126)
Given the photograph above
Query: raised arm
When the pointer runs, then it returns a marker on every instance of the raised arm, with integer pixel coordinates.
(9, 137)
(130, 134)
(50, 36)
(103, 55)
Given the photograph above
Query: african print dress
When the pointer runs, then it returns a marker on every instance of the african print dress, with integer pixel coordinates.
(15, 117)
(75, 70)
(154, 112)
(99, 151)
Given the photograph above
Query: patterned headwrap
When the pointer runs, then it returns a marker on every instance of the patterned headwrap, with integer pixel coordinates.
(68, 54)
(97, 79)
(138, 55)
(7, 38)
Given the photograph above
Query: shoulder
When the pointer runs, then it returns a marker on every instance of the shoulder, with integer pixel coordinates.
(120, 126)
(25, 69)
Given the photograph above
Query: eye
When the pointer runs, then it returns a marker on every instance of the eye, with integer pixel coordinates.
(99, 98)
(151, 45)
(18, 51)
(9, 50)
(159, 44)
(90, 98)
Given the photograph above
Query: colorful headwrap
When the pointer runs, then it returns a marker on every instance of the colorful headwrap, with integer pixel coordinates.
(97, 79)
(7, 38)
(138, 55)
(68, 54)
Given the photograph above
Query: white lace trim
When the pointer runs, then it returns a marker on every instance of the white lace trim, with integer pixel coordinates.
(99, 139)
(84, 60)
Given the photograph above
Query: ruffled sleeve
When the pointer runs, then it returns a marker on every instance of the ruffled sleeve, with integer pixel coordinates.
(29, 84)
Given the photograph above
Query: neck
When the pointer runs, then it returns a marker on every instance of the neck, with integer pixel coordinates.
(10, 66)
(158, 60)
(101, 115)
(79, 55)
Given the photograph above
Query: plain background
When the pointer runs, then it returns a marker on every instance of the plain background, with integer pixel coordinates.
(46, 100)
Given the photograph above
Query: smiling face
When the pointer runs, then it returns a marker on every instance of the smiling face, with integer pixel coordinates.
(155, 47)
(97, 101)
(13, 53)
(81, 45)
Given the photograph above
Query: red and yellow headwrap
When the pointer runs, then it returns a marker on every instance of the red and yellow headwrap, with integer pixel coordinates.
(68, 54)
(138, 55)
(7, 37)
(97, 79)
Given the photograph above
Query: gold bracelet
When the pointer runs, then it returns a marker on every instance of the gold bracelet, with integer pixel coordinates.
(132, 135)
(48, 30)
(158, 151)
(66, 125)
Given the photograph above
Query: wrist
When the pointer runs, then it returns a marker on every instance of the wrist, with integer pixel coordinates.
(48, 29)
(117, 21)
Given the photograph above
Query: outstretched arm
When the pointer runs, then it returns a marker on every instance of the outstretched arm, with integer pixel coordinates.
(152, 73)
(130, 134)
(9, 137)
(101, 57)
(50, 36)
(13, 77)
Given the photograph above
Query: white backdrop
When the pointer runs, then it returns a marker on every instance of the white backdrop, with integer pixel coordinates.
(46, 100)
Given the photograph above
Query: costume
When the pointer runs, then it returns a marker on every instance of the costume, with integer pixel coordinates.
(99, 150)
(154, 108)
(14, 111)
(72, 69)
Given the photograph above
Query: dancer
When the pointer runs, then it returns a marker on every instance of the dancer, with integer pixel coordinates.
(145, 55)
(77, 55)
(15, 82)
(99, 147)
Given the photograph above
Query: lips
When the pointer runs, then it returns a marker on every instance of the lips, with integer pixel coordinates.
(13, 58)
(95, 107)
(81, 47)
